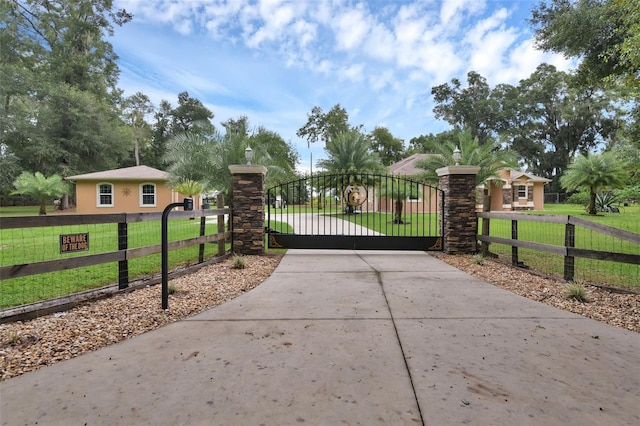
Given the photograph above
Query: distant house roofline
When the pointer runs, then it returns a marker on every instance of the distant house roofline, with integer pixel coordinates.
(138, 173)
(407, 166)
(516, 176)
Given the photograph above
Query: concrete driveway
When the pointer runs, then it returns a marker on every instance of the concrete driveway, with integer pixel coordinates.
(355, 338)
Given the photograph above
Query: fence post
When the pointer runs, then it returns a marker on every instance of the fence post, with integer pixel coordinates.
(203, 223)
(222, 242)
(460, 218)
(569, 242)
(123, 244)
(247, 208)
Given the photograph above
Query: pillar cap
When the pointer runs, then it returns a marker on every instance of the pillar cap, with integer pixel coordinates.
(458, 170)
(248, 169)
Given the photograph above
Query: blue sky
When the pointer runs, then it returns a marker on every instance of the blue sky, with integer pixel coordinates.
(274, 60)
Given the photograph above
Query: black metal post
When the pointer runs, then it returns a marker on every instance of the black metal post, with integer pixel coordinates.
(514, 249)
(123, 265)
(203, 221)
(187, 205)
(569, 243)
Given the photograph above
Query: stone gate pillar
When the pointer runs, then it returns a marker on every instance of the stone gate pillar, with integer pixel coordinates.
(460, 217)
(247, 208)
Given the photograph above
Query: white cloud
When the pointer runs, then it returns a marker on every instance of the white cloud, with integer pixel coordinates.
(380, 43)
(490, 40)
(352, 73)
(273, 60)
(305, 32)
(452, 10)
(351, 27)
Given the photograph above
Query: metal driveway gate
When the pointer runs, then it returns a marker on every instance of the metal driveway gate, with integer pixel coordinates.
(355, 211)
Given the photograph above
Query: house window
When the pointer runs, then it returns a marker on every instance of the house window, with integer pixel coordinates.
(522, 191)
(147, 195)
(105, 195)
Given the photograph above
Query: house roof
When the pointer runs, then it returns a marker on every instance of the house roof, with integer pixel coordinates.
(127, 173)
(518, 176)
(407, 166)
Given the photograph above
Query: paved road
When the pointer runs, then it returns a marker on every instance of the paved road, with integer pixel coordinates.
(354, 338)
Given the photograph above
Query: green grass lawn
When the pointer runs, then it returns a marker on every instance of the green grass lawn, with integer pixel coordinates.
(628, 218)
(23, 211)
(415, 224)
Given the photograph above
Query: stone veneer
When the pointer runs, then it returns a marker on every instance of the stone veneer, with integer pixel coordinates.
(460, 218)
(248, 208)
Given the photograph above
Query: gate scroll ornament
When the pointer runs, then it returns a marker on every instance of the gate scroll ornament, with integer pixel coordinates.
(355, 194)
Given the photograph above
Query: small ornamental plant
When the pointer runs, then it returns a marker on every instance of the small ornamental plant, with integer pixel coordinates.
(479, 259)
(576, 291)
(173, 288)
(238, 262)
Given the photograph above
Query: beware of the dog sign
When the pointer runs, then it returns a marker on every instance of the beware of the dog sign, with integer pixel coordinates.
(74, 242)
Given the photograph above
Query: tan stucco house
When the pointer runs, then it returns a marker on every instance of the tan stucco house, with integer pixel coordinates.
(135, 189)
(519, 190)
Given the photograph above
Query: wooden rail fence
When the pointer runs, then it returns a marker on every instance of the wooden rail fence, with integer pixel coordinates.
(568, 250)
(122, 255)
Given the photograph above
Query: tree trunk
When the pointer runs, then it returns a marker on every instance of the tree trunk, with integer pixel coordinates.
(398, 218)
(592, 202)
(43, 209)
(64, 202)
(136, 152)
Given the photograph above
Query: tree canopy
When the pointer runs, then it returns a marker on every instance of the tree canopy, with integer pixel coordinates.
(59, 79)
(389, 148)
(604, 33)
(323, 126)
(470, 108)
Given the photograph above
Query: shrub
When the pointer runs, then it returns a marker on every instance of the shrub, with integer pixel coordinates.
(630, 194)
(576, 291)
(479, 259)
(238, 262)
(605, 200)
(581, 198)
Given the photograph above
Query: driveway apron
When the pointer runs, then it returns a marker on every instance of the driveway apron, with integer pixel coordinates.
(356, 338)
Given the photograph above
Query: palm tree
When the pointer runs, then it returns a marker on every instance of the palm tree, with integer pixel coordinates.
(206, 159)
(188, 188)
(41, 188)
(350, 155)
(594, 172)
(489, 156)
(399, 190)
(350, 152)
